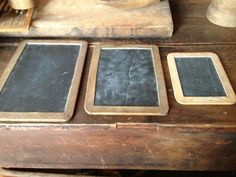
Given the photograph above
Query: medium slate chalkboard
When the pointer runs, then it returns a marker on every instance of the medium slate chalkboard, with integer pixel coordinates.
(199, 77)
(126, 80)
(41, 79)
(126, 77)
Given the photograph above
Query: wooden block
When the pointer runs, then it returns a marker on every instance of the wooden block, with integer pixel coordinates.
(93, 19)
(41, 81)
(126, 80)
(200, 79)
(13, 21)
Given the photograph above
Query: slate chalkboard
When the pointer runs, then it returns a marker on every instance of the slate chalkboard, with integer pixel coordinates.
(126, 77)
(126, 80)
(41, 79)
(199, 79)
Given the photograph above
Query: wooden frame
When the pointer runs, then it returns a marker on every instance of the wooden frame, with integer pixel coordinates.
(229, 99)
(72, 95)
(90, 108)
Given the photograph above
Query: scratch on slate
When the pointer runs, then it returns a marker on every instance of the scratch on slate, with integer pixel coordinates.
(102, 160)
(126, 98)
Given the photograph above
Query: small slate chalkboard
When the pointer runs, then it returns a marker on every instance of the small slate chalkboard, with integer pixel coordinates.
(41, 82)
(199, 78)
(123, 80)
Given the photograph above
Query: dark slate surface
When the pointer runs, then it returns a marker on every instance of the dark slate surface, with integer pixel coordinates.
(126, 78)
(40, 80)
(198, 77)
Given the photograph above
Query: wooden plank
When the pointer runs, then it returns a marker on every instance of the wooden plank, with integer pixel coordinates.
(117, 147)
(190, 24)
(193, 137)
(79, 18)
(18, 173)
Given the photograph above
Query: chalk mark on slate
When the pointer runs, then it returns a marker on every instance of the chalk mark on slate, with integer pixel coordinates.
(129, 75)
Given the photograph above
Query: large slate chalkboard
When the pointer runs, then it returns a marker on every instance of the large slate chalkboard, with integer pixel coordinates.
(126, 77)
(199, 77)
(40, 80)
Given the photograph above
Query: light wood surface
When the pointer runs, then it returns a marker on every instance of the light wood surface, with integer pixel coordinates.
(90, 18)
(188, 138)
(25, 173)
(230, 97)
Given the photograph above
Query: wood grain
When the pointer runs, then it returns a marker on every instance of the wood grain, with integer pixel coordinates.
(79, 18)
(12, 21)
(189, 138)
(20, 173)
(121, 147)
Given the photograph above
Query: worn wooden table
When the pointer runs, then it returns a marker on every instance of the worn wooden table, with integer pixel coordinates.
(189, 138)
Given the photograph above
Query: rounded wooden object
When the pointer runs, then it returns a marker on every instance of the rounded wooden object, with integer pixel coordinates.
(222, 12)
(22, 4)
(128, 4)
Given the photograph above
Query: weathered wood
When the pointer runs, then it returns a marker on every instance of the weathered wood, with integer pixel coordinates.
(190, 137)
(12, 21)
(191, 27)
(80, 18)
(15, 173)
(117, 147)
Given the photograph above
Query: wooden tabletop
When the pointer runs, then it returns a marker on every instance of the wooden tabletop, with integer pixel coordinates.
(188, 138)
